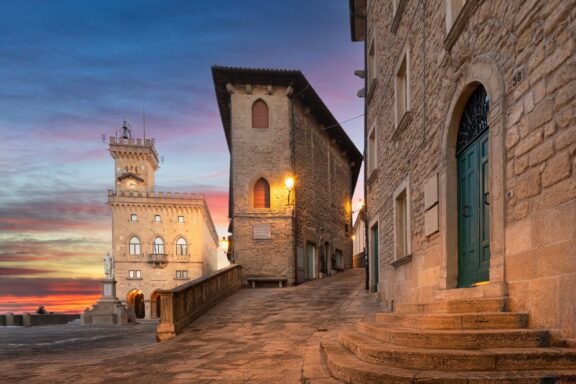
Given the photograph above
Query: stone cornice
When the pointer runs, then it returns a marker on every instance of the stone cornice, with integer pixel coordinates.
(398, 15)
(460, 23)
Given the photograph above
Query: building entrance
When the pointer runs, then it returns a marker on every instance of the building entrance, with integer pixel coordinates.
(472, 150)
(136, 303)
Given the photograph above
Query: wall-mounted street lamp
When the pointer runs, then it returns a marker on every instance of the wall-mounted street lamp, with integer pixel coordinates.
(289, 185)
(224, 245)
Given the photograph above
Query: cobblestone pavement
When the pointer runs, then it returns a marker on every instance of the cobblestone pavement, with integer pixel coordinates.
(254, 336)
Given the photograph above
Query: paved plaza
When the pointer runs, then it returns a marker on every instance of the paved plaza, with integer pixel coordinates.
(254, 336)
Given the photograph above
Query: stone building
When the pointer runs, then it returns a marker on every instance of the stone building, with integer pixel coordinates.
(292, 175)
(359, 240)
(160, 239)
(470, 183)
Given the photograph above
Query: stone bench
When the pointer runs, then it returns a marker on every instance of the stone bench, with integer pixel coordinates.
(252, 280)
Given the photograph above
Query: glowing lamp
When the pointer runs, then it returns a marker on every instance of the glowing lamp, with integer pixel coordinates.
(224, 244)
(289, 183)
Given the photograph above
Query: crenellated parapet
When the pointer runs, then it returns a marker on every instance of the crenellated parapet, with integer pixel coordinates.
(181, 196)
(134, 149)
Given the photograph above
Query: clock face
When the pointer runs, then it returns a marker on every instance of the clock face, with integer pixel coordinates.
(131, 183)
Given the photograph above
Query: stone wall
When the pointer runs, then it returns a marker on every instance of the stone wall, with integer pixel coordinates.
(182, 305)
(322, 191)
(262, 153)
(32, 319)
(523, 53)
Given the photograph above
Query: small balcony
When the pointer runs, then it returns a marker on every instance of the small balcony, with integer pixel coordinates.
(158, 260)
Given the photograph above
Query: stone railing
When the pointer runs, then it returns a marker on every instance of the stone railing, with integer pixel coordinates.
(182, 305)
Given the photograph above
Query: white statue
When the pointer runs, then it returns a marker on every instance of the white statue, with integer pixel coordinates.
(109, 266)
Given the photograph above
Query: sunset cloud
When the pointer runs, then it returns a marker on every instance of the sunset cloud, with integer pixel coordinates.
(58, 295)
(21, 271)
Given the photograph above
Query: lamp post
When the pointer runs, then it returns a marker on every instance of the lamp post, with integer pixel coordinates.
(289, 185)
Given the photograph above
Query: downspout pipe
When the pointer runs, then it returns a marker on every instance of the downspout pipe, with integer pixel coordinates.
(293, 97)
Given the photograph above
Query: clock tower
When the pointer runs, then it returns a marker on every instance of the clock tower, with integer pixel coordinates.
(136, 162)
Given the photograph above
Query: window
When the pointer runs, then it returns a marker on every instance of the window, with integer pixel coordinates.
(262, 194)
(157, 218)
(402, 89)
(180, 219)
(182, 274)
(158, 246)
(134, 274)
(133, 217)
(259, 114)
(453, 8)
(134, 246)
(402, 221)
(371, 68)
(181, 247)
(372, 151)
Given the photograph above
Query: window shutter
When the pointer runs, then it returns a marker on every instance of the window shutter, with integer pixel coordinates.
(259, 114)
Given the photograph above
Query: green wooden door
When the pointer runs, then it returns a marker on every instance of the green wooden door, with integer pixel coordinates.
(473, 213)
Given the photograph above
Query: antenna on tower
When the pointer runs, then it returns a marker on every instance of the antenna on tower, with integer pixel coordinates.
(103, 138)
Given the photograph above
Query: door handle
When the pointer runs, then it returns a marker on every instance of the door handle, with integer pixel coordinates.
(465, 211)
(485, 198)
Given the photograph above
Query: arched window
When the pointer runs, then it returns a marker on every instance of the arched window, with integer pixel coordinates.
(158, 246)
(134, 245)
(259, 114)
(262, 194)
(181, 247)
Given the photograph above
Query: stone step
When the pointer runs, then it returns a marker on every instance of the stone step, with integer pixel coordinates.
(456, 339)
(373, 351)
(348, 368)
(483, 320)
(492, 290)
(499, 304)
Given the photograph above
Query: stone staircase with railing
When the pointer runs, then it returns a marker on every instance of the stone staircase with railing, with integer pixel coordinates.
(451, 341)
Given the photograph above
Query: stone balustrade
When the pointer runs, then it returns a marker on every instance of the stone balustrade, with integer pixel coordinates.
(182, 305)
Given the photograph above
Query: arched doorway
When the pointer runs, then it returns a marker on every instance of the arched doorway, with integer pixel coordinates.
(155, 306)
(136, 303)
(473, 190)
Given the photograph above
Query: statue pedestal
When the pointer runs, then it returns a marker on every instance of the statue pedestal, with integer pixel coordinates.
(108, 309)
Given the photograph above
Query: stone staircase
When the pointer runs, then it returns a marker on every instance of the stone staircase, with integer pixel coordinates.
(451, 341)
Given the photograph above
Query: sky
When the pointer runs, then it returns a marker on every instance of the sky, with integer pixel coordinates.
(72, 70)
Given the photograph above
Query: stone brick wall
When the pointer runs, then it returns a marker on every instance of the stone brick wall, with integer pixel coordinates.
(323, 196)
(294, 145)
(262, 153)
(523, 53)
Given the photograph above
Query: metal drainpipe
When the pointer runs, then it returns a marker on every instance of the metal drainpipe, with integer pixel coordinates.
(293, 98)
